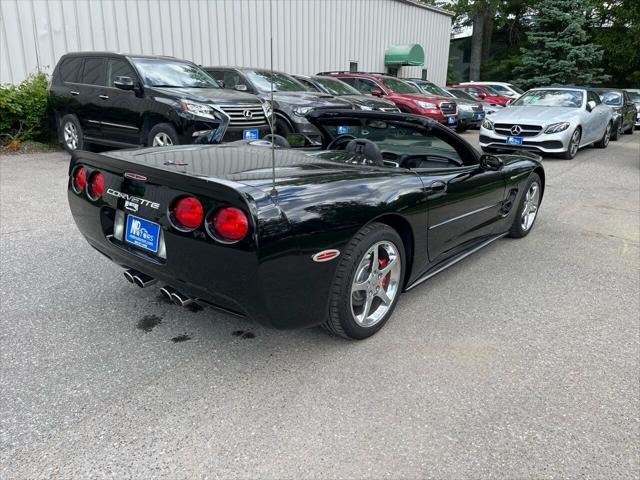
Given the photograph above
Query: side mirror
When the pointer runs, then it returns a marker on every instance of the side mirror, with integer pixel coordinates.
(376, 92)
(482, 96)
(124, 83)
(240, 87)
(490, 162)
(221, 83)
(509, 102)
(591, 105)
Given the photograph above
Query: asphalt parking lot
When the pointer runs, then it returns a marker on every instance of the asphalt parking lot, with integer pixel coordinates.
(522, 361)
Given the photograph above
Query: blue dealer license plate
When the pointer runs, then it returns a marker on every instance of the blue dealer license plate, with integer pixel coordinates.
(250, 134)
(451, 120)
(479, 116)
(514, 140)
(142, 233)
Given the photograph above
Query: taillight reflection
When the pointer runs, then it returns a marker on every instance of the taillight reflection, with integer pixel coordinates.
(228, 224)
(79, 180)
(96, 185)
(187, 213)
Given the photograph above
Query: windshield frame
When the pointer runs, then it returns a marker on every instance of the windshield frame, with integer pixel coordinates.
(139, 62)
(520, 101)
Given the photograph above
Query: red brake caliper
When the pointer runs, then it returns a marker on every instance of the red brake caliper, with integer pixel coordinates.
(383, 263)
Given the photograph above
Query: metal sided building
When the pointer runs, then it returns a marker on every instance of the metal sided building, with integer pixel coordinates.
(309, 36)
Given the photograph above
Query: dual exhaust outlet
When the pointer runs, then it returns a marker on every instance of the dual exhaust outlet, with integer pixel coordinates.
(170, 293)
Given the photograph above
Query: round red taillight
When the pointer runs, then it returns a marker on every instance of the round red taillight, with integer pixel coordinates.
(96, 185)
(229, 224)
(79, 180)
(187, 213)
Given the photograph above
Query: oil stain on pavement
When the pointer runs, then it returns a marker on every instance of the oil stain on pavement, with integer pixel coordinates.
(148, 323)
(181, 338)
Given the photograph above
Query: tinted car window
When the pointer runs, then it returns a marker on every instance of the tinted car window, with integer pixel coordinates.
(93, 72)
(593, 97)
(611, 98)
(336, 87)
(263, 79)
(366, 86)
(399, 86)
(70, 68)
(118, 67)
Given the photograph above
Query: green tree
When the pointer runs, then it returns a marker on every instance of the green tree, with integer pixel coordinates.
(558, 46)
(615, 26)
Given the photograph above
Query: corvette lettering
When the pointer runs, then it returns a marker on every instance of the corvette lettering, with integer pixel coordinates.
(132, 199)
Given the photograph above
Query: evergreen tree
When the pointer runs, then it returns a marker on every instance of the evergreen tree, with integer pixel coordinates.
(558, 49)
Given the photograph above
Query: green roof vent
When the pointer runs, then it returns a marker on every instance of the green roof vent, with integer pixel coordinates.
(410, 54)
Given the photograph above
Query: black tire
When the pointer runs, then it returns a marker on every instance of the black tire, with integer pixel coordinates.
(631, 129)
(164, 132)
(606, 136)
(340, 320)
(283, 127)
(517, 230)
(571, 153)
(615, 135)
(69, 124)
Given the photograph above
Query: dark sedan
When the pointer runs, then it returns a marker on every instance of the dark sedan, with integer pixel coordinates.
(624, 117)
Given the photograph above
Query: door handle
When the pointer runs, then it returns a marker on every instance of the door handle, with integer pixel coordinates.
(437, 187)
(74, 92)
(104, 97)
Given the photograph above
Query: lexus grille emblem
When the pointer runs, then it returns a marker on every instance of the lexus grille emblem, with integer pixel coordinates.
(516, 130)
(248, 114)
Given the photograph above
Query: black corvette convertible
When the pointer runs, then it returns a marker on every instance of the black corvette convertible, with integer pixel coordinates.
(295, 236)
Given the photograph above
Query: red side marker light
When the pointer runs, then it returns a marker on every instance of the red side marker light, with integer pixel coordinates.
(325, 255)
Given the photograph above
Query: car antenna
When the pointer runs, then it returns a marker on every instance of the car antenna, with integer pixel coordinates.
(274, 192)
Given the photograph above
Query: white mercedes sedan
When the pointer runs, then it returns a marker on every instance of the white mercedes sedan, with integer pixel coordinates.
(554, 120)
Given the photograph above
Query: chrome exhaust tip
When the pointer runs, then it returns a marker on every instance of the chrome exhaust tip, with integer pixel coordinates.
(167, 292)
(129, 274)
(181, 300)
(143, 280)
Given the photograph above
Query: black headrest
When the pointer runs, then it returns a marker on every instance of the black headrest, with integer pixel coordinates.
(278, 140)
(366, 148)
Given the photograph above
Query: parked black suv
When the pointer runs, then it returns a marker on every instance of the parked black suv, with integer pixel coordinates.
(338, 88)
(291, 100)
(132, 100)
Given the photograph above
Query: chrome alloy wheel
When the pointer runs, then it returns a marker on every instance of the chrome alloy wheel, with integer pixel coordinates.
(70, 135)
(376, 283)
(162, 140)
(574, 143)
(530, 206)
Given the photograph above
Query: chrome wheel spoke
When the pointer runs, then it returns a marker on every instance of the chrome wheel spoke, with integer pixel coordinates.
(388, 267)
(360, 286)
(382, 295)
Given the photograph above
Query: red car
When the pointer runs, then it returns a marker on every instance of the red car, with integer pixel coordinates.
(483, 92)
(407, 97)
